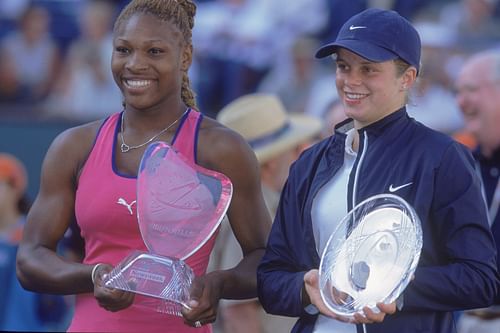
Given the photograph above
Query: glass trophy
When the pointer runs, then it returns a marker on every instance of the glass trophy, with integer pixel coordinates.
(179, 207)
(371, 256)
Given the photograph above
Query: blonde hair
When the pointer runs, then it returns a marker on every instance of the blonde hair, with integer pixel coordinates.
(401, 67)
(179, 12)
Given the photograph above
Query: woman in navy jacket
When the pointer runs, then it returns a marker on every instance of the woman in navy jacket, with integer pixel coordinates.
(380, 149)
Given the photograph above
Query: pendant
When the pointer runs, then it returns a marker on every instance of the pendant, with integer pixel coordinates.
(124, 148)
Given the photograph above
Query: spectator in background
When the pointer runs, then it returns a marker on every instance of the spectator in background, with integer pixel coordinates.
(20, 310)
(294, 79)
(86, 90)
(475, 21)
(12, 91)
(10, 11)
(33, 54)
(277, 138)
(241, 40)
(478, 96)
(432, 101)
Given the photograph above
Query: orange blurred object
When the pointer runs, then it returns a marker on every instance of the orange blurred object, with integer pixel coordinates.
(466, 139)
(13, 171)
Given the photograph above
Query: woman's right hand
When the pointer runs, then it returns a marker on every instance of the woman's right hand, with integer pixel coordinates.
(108, 298)
(311, 285)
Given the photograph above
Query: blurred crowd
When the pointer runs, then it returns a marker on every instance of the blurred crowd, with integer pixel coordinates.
(55, 54)
(55, 57)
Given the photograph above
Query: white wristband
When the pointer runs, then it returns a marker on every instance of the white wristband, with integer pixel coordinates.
(94, 269)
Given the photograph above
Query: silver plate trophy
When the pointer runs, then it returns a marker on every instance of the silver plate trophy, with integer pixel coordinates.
(179, 207)
(371, 256)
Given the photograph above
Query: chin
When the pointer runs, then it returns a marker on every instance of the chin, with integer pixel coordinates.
(352, 113)
(138, 104)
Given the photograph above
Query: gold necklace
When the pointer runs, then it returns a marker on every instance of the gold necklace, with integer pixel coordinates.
(125, 147)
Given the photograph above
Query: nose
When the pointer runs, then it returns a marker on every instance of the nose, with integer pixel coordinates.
(351, 78)
(136, 62)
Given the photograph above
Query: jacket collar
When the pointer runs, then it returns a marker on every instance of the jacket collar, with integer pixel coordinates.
(380, 126)
(377, 128)
(344, 126)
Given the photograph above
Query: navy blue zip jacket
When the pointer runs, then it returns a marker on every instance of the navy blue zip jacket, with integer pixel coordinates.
(489, 173)
(457, 268)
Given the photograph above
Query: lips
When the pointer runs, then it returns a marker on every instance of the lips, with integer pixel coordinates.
(137, 84)
(354, 96)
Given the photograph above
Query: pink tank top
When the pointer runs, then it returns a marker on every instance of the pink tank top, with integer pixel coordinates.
(106, 213)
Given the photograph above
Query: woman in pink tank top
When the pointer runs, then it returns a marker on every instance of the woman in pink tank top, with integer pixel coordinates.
(90, 172)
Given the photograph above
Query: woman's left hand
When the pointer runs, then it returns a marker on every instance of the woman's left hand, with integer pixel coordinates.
(205, 294)
(370, 316)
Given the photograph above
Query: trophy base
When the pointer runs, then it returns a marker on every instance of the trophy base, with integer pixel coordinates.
(168, 280)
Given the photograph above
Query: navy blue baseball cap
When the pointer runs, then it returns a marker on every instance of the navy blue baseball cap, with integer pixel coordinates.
(377, 35)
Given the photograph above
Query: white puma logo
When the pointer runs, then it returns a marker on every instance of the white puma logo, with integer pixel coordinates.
(122, 201)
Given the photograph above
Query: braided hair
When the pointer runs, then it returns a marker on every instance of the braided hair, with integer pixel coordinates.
(179, 12)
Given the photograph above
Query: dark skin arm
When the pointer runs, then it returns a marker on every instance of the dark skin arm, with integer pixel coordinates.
(39, 268)
(248, 215)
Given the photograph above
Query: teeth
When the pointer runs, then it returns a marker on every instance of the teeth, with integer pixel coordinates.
(355, 96)
(137, 83)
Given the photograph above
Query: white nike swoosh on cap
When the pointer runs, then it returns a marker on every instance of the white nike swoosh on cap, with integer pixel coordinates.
(397, 188)
(354, 27)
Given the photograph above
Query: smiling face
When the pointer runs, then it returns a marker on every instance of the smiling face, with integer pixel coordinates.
(478, 96)
(369, 90)
(148, 61)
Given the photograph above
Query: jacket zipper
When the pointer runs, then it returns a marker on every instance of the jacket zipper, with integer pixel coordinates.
(356, 175)
(355, 189)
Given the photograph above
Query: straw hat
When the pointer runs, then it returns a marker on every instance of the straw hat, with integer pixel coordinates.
(13, 172)
(269, 129)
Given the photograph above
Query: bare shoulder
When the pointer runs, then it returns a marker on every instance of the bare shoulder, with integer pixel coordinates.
(72, 146)
(220, 148)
